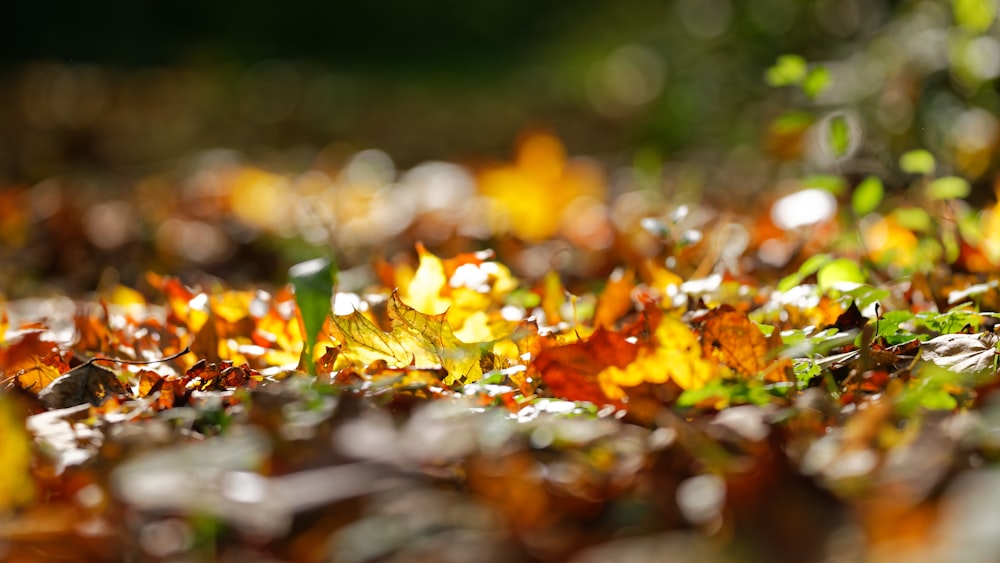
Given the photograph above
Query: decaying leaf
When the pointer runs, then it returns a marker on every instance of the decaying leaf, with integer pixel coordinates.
(966, 353)
(87, 383)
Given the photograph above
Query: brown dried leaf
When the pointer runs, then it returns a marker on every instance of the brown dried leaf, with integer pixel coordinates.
(732, 339)
(966, 353)
(87, 383)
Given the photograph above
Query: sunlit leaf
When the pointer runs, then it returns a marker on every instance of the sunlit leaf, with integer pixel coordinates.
(433, 335)
(967, 353)
(867, 196)
(975, 15)
(573, 371)
(207, 343)
(817, 81)
(673, 354)
(87, 383)
(732, 339)
(615, 300)
(36, 377)
(417, 338)
(423, 293)
(949, 187)
(313, 281)
(918, 161)
(787, 70)
(839, 271)
(365, 343)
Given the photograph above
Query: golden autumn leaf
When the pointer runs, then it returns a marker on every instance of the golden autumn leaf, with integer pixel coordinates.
(423, 292)
(731, 338)
(34, 378)
(616, 299)
(433, 334)
(673, 355)
(416, 338)
(32, 362)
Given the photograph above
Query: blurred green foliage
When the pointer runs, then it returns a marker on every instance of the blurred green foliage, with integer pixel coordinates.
(442, 79)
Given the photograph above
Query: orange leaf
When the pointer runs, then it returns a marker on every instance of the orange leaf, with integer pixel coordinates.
(616, 299)
(34, 378)
(571, 371)
(732, 339)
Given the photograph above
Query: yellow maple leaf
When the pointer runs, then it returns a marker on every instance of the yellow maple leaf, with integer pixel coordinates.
(675, 355)
(423, 292)
(416, 338)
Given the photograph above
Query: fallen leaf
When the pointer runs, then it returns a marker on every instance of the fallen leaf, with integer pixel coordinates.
(850, 319)
(36, 377)
(616, 299)
(964, 353)
(732, 339)
(423, 293)
(433, 334)
(416, 338)
(673, 354)
(572, 371)
(207, 343)
(87, 383)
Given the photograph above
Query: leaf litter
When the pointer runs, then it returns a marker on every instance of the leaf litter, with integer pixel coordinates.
(462, 412)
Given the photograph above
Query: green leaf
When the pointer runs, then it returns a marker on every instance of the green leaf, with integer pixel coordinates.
(805, 370)
(838, 135)
(792, 122)
(951, 321)
(808, 268)
(727, 392)
(865, 296)
(828, 182)
(974, 15)
(888, 324)
(917, 161)
(840, 270)
(816, 82)
(949, 187)
(313, 281)
(786, 71)
(913, 218)
(867, 196)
